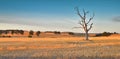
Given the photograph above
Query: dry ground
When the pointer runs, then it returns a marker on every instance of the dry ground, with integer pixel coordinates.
(60, 48)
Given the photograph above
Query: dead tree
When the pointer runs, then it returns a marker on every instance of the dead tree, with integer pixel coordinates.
(85, 25)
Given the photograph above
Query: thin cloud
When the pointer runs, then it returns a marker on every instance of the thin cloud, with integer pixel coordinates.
(42, 24)
(116, 19)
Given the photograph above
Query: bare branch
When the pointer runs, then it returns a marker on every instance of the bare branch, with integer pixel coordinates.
(85, 13)
(91, 18)
(77, 9)
(90, 27)
(80, 22)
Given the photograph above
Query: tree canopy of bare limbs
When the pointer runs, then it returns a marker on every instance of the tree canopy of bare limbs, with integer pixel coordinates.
(84, 22)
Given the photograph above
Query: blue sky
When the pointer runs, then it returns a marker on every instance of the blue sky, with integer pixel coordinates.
(58, 15)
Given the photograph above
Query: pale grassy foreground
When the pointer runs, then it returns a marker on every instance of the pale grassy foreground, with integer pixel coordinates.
(60, 48)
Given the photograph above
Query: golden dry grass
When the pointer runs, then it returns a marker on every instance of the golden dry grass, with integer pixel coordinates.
(64, 46)
(56, 42)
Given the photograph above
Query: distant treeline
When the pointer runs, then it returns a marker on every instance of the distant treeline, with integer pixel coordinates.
(31, 33)
(12, 32)
(106, 34)
(37, 33)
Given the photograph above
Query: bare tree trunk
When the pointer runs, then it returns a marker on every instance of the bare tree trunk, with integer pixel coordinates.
(86, 35)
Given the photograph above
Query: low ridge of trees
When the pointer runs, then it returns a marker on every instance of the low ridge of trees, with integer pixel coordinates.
(57, 32)
(12, 32)
(21, 32)
(106, 34)
(6, 32)
(71, 33)
(16, 33)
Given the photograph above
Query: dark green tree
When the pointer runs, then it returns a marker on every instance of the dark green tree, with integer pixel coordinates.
(21, 32)
(31, 32)
(12, 32)
(38, 33)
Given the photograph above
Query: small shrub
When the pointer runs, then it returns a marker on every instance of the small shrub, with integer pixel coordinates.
(98, 34)
(3, 36)
(30, 36)
(9, 36)
(71, 33)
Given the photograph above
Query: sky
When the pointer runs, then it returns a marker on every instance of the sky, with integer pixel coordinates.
(59, 15)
